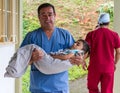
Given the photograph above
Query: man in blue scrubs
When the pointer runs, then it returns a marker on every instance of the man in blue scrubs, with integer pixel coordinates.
(51, 39)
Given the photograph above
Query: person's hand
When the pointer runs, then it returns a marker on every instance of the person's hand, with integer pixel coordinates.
(36, 55)
(114, 67)
(76, 60)
(84, 65)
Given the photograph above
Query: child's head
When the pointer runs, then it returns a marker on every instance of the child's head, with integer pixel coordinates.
(81, 45)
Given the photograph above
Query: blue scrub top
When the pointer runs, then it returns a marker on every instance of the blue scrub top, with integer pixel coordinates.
(60, 39)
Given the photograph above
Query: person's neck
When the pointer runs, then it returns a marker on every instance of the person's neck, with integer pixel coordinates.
(104, 26)
(47, 29)
(48, 32)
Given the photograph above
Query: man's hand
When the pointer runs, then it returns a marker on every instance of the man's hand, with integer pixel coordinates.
(114, 67)
(76, 60)
(36, 55)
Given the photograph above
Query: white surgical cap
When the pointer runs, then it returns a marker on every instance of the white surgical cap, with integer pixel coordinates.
(104, 18)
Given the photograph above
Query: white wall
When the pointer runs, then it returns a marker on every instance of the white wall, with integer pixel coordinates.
(7, 85)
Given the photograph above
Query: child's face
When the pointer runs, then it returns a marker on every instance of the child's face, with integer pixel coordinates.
(78, 45)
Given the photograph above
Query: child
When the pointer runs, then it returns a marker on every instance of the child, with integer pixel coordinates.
(49, 64)
(80, 47)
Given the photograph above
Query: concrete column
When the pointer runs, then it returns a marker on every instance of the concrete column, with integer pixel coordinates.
(117, 29)
(18, 81)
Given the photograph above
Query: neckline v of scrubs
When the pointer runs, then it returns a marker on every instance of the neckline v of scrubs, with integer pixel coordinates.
(45, 36)
(46, 43)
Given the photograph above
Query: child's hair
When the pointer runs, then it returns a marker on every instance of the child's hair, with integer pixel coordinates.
(86, 47)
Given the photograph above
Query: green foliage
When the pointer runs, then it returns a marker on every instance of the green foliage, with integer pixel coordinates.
(83, 2)
(108, 8)
(66, 15)
(75, 72)
(75, 21)
(26, 82)
(29, 24)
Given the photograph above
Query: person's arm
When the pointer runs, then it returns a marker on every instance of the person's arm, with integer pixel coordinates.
(80, 60)
(117, 56)
(83, 63)
(47, 64)
(63, 57)
(50, 65)
(36, 55)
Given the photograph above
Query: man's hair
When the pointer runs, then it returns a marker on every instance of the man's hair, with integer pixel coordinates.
(104, 24)
(45, 5)
(86, 47)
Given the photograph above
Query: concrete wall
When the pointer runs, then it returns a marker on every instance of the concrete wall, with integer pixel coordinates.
(117, 29)
(7, 85)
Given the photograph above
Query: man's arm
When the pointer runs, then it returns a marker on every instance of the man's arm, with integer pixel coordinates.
(80, 60)
(84, 65)
(63, 57)
(117, 56)
(36, 55)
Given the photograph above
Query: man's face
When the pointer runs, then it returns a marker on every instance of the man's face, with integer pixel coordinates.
(47, 17)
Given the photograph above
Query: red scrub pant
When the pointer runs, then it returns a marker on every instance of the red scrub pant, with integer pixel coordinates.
(106, 81)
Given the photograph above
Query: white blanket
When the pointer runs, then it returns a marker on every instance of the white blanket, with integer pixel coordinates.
(47, 65)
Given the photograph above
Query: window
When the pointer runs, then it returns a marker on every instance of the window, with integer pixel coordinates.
(8, 20)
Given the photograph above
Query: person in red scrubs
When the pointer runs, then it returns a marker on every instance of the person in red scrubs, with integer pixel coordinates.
(104, 55)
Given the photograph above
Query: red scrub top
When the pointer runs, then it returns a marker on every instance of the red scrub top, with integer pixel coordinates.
(102, 42)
